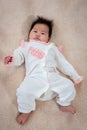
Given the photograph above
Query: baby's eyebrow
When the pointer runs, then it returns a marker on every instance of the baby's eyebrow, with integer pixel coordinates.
(44, 31)
(35, 29)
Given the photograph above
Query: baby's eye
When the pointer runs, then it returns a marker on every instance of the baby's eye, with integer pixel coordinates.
(35, 31)
(43, 33)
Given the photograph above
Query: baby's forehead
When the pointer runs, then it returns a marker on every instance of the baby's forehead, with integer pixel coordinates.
(41, 26)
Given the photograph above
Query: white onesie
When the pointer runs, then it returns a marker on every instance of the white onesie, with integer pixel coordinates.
(43, 80)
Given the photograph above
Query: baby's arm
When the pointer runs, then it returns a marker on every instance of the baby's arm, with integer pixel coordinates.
(18, 56)
(65, 67)
(8, 59)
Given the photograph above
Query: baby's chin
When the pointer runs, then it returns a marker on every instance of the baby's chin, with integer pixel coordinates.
(38, 40)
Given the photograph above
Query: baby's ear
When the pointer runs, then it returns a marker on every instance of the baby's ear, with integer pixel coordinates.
(60, 48)
(22, 43)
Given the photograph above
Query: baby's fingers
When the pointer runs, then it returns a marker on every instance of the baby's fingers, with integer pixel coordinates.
(8, 59)
(79, 80)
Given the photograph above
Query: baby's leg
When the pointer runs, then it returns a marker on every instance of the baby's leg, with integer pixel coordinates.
(27, 93)
(26, 104)
(66, 94)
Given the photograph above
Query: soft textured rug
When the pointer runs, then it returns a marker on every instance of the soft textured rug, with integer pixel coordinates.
(70, 30)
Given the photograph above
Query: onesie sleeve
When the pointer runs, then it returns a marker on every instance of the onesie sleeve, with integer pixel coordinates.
(19, 56)
(64, 66)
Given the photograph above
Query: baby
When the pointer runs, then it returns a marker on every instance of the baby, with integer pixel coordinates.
(43, 80)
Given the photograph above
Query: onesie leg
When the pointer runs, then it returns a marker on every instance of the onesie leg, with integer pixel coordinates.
(26, 102)
(26, 95)
(66, 93)
(65, 97)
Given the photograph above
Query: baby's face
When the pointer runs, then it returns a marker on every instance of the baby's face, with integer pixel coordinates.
(40, 32)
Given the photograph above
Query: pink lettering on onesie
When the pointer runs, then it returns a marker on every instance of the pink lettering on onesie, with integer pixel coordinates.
(36, 52)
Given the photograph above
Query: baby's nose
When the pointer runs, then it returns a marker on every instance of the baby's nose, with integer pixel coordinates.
(38, 34)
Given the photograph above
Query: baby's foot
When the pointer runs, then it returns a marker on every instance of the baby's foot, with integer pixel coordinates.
(69, 108)
(22, 118)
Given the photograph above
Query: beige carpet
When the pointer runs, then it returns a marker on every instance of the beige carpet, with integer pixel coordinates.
(70, 30)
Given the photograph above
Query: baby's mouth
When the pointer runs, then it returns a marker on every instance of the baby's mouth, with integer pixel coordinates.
(37, 39)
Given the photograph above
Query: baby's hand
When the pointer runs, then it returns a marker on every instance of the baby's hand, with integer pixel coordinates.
(79, 80)
(8, 59)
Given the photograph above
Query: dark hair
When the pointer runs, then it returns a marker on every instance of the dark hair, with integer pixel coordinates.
(45, 21)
